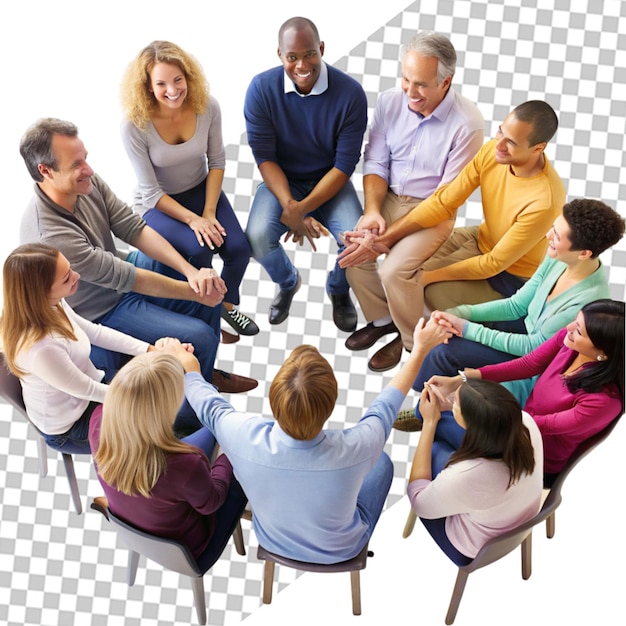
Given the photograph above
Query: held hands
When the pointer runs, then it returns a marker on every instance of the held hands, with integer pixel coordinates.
(362, 246)
(429, 334)
(182, 351)
(450, 321)
(207, 230)
(207, 285)
(430, 407)
(443, 387)
(312, 230)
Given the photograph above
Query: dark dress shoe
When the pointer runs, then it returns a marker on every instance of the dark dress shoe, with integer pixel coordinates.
(387, 357)
(344, 312)
(279, 309)
(367, 336)
(231, 383)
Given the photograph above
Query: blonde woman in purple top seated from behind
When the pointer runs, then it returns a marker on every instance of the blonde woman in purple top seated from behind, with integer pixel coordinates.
(152, 480)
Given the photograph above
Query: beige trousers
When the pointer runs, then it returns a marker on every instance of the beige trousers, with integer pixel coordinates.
(392, 289)
(461, 244)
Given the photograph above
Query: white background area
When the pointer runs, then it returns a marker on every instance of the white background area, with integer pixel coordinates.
(65, 59)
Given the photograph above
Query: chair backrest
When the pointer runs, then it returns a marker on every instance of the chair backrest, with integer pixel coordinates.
(11, 388)
(169, 553)
(500, 546)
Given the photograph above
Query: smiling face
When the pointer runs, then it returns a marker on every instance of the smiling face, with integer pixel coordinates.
(419, 82)
(73, 176)
(65, 281)
(169, 85)
(578, 340)
(513, 145)
(558, 239)
(301, 54)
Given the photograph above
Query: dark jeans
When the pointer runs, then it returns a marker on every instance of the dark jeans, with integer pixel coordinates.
(149, 318)
(235, 251)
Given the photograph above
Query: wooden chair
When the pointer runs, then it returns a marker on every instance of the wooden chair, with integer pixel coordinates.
(354, 566)
(11, 391)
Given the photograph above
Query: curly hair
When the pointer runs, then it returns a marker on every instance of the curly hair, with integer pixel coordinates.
(137, 98)
(593, 225)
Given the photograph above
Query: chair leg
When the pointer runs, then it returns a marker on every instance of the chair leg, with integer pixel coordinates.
(355, 582)
(410, 524)
(71, 478)
(527, 556)
(457, 594)
(42, 456)
(238, 540)
(268, 582)
(131, 570)
(197, 585)
(551, 525)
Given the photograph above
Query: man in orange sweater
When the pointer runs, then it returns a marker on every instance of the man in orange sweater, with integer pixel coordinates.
(521, 196)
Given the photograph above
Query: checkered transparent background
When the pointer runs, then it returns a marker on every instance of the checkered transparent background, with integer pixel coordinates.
(57, 567)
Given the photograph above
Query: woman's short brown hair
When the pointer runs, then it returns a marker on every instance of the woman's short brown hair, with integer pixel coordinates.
(303, 393)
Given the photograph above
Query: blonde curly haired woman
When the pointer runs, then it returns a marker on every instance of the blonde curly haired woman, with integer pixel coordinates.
(173, 137)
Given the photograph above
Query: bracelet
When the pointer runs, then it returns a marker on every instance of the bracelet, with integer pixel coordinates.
(463, 376)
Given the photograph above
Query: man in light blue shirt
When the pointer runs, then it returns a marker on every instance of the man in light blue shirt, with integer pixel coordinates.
(422, 135)
(316, 495)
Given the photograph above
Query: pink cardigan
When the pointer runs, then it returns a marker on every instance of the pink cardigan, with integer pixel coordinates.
(565, 419)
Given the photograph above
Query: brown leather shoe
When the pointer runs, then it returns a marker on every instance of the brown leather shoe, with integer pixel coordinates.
(231, 383)
(229, 337)
(387, 357)
(367, 336)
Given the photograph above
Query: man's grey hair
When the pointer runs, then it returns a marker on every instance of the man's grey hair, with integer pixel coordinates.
(431, 44)
(36, 144)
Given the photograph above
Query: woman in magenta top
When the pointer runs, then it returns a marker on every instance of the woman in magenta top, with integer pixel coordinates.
(580, 389)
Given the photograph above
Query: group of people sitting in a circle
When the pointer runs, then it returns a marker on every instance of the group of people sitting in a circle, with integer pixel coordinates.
(521, 359)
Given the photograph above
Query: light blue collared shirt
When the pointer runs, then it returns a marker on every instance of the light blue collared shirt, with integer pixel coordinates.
(321, 84)
(417, 154)
(303, 493)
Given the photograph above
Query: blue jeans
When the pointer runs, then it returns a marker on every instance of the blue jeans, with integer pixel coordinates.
(459, 353)
(235, 251)
(76, 439)
(448, 438)
(437, 530)
(149, 318)
(374, 491)
(265, 229)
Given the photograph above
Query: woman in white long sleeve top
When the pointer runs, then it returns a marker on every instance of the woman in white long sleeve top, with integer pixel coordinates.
(47, 345)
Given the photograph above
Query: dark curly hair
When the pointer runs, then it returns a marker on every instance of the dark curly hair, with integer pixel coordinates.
(593, 225)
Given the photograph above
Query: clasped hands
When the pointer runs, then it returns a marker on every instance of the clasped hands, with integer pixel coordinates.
(209, 288)
(301, 228)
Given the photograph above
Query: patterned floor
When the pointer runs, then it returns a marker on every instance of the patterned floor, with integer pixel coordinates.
(57, 567)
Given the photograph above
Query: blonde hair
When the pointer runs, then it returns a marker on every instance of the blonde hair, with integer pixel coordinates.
(136, 433)
(303, 393)
(138, 100)
(27, 315)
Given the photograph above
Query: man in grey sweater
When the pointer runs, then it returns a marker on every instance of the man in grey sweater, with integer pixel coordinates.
(147, 293)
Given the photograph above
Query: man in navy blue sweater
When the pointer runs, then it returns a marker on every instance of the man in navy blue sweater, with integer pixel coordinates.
(305, 123)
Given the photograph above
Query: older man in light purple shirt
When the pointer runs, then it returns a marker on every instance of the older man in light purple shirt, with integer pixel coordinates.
(421, 137)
